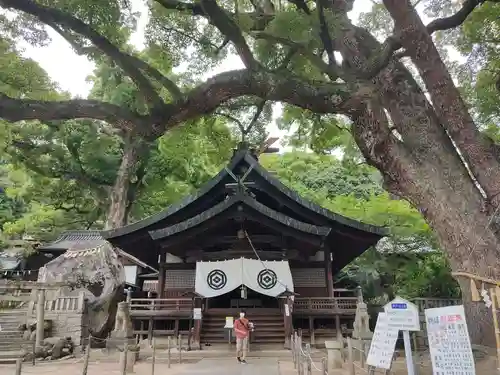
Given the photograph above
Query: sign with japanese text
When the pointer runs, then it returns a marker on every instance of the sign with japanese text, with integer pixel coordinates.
(403, 315)
(449, 342)
(383, 344)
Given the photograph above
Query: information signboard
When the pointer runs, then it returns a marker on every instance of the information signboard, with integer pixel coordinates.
(197, 313)
(229, 322)
(449, 342)
(403, 315)
(383, 344)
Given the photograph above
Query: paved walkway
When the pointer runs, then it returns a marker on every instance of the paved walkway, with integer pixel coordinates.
(212, 366)
(255, 366)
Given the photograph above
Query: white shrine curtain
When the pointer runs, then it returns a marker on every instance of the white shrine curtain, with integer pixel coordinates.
(218, 278)
(268, 278)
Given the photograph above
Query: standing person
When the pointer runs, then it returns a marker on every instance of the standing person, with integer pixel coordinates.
(241, 330)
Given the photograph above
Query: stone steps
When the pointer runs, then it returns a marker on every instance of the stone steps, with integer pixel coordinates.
(10, 320)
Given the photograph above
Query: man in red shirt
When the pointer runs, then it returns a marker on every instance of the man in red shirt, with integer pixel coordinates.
(241, 330)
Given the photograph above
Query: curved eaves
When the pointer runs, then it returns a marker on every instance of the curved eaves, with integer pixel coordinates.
(228, 203)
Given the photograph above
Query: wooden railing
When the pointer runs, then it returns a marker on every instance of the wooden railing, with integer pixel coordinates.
(21, 294)
(429, 303)
(325, 304)
(63, 304)
(172, 304)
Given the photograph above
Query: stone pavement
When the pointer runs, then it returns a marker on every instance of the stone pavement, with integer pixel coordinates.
(219, 366)
(267, 366)
(207, 366)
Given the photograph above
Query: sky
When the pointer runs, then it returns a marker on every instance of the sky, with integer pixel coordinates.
(70, 70)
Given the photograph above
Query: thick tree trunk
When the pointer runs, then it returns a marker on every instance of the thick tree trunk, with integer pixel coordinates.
(119, 195)
(461, 222)
(477, 150)
(424, 167)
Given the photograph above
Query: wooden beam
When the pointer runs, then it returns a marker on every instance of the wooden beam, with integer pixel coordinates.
(328, 270)
(161, 281)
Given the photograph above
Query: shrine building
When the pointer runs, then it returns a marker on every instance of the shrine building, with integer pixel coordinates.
(243, 241)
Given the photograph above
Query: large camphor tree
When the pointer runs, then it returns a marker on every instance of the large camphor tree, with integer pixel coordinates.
(427, 148)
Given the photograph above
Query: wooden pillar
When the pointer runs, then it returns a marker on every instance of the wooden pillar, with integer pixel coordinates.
(198, 303)
(176, 327)
(161, 281)
(150, 331)
(40, 318)
(337, 326)
(328, 270)
(288, 321)
(311, 331)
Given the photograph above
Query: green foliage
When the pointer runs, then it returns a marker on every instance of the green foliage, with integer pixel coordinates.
(405, 263)
(59, 174)
(185, 158)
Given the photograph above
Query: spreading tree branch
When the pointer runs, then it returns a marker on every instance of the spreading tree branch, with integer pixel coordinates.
(194, 9)
(226, 25)
(317, 96)
(324, 33)
(158, 76)
(233, 119)
(13, 110)
(255, 118)
(385, 53)
(455, 20)
(48, 149)
(332, 71)
(53, 16)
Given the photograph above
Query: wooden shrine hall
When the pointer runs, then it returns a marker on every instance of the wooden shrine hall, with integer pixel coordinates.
(243, 241)
(283, 249)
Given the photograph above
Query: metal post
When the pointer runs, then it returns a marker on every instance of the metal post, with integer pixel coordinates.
(350, 357)
(34, 353)
(323, 366)
(408, 353)
(180, 348)
(308, 359)
(168, 351)
(362, 352)
(292, 345)
(86, 357)
(154, 357)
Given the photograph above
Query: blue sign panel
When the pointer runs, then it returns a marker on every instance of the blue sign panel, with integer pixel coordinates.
(399, 306)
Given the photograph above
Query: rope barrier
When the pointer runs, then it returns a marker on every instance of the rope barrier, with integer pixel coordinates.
(308, 355)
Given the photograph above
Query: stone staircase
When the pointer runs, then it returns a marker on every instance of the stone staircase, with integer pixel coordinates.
(11, 339)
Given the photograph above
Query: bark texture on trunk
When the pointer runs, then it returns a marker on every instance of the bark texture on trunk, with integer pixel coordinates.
(421, 164)
(478, 151)
(119, 193)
